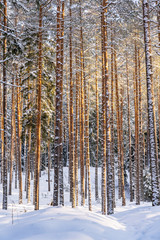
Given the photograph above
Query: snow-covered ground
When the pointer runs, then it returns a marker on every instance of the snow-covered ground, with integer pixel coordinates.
(21, 222)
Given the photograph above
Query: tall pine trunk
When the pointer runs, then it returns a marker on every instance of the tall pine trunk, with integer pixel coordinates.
(118, 126)
(4, 140)
(97, 129)
(38, 142)
(129, 136)
(140, 129)
(137, 164)
(103, 189)
(151, 117)
(110, 209)
(82, 111)
(71, 156)
(12, 139)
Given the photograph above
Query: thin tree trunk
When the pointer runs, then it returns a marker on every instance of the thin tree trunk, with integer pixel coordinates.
(97, 129)
(112, 116)
(29, 166)
(88, 155)
(16, 152)
(29, 149)
(12, 139)
(61, 107)
(82, 113)
(137, 164)
(103, 191)
(122, 149)
(76, 130)
(25, 159)
(19, 140)
(5, 199)
(118, 126)
(129, 135)
(38, 147)
(49, 160)
(2, 131)
(140, 129)
(72, 180)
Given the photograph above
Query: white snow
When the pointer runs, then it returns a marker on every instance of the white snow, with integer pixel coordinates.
(21, 222)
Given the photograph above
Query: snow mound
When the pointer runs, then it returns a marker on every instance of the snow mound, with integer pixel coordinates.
(64, 223)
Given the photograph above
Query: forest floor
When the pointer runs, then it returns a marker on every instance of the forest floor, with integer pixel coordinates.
(21, 222)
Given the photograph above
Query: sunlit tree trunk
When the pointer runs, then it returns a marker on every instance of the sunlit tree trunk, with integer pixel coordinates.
(71, 157)
(19, 130)
(103, 191)
(82, 112)
(38, 143)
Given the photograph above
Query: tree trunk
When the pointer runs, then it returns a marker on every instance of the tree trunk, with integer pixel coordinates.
(71, 157)
(12, 139)
(122, 149)
(110, 209)
(88, 155)
(61, 190)
(2, 131)
(5, 200)
(49, 160)
(76, 130)
(112, 115)
(82, 113)
(19, 140)
(118, 126)
(103, 191)
(140, 130)
(129, 136)
(58, 174)
(38, 142)
(137, 164)
(97, 129)
(151, 117)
